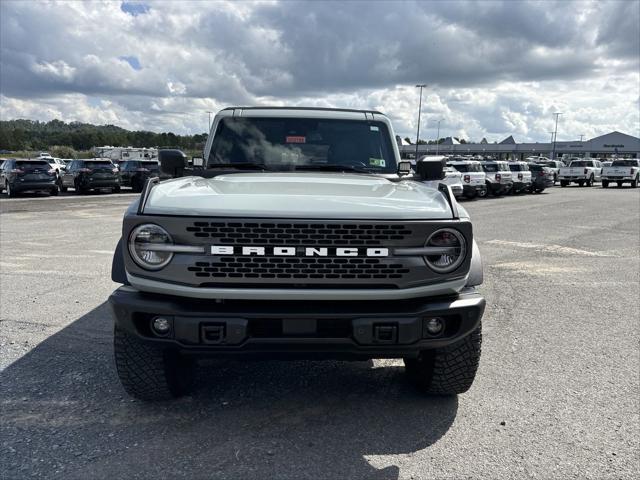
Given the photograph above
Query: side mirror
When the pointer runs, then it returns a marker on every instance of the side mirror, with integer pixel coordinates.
(404, 168)
(172, 162)
(431, 169)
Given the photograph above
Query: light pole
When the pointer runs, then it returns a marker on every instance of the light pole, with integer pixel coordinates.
(555, 136)
(581, 137)
(209, 121)
(438, 137)
(420, 86)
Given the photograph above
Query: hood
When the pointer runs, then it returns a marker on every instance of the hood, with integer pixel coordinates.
(297, 195)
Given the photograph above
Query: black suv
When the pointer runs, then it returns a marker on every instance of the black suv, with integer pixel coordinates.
(85, 175)
(133, 173)
(27, 176)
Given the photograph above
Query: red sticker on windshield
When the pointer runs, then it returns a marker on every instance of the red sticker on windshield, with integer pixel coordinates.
(296, 139)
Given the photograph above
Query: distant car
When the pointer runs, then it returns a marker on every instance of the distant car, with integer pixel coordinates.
(133, 173)
(521, 176)
(28, 176)
(624, 170)
(580, 171)
(499, 178)
(473, 177)
(56, 164)
(541, 178)
(91, 174)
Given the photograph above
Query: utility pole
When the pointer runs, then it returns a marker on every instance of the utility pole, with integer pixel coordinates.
(208, 131)
(420, 86)
(438, 138)
(555, 136)
(581, 136)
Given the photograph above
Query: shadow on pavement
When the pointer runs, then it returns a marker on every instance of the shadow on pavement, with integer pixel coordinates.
(65, 414)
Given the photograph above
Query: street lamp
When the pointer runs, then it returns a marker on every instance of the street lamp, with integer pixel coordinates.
(438, 137)
(420, 86)
(555, 136)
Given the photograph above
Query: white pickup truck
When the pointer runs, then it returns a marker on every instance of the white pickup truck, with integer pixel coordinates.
(474, 178)
(580, 171)
(624, 170)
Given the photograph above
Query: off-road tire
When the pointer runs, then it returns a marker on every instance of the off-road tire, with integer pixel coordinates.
(449, 370)
(605, 184)
(149, 372)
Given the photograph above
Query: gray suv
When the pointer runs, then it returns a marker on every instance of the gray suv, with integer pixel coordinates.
(303, 236)
(86, 175)
(27, 176)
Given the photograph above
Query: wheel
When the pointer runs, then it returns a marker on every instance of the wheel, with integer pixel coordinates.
(136, 186)
(563, 183)
(116, 189)
(590, 181)
(54, 191)
(449, 370)
(634, 182)
(555, 178)
(482, 193)
(149, 372)
(619, 184)
(581, 183)
(10, 191)
(78, 189)
(605, 184)
(61, 187)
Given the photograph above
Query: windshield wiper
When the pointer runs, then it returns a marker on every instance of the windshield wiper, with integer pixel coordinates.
(333, 167)
(239, 166)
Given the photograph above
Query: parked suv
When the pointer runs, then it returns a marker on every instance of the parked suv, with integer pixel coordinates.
(474, 182)
(541, 178)
(580, 171)
(521, 176)
(85, 175)
(27, 176)
(303, 236)
(133, 173)
(499, 179)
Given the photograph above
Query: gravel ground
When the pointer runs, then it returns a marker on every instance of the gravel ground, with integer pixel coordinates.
(557, 393)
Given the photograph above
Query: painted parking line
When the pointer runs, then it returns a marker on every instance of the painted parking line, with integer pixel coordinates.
(549, 248)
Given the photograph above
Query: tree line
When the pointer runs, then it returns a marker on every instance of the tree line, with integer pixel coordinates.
(32, 135)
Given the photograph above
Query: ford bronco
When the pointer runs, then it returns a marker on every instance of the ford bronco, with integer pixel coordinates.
(302, 236)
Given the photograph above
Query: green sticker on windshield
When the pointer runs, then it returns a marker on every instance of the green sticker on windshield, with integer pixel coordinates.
(377, 162)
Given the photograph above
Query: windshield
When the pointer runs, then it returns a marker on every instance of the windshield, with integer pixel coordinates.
(32, 164)
(287, 143)
(625, 163)
(98, 164)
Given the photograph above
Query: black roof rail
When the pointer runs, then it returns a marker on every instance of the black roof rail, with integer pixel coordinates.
(325, 109)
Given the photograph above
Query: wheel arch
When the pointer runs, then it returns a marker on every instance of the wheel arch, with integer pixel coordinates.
(476, 271)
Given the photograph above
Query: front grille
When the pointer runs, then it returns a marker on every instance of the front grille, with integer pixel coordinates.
(327, 234)
(299, 268)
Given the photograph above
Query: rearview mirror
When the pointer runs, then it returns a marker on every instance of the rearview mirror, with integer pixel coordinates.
(431, 168)
(172, 162)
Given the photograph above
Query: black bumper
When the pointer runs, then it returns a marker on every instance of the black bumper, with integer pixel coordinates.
(34, 186)
(100, 183)
(470, 189)
(341, 329)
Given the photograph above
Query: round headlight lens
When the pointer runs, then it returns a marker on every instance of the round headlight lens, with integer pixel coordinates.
(145, 246)
(454, 243)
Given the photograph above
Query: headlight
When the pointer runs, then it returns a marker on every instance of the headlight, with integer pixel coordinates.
(147, 246)
(453, 250)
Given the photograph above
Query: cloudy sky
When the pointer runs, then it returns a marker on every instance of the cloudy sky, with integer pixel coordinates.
(493, 69)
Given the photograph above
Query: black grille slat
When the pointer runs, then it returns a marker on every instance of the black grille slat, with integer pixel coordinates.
(287, 267)
(239, 233)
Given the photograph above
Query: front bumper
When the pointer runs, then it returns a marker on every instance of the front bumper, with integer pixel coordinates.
(334, 329)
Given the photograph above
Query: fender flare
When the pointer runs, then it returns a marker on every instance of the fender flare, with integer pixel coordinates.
(476, 272)
(118, 272)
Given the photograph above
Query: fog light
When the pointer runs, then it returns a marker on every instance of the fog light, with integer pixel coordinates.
(161, 325)
(434, 325)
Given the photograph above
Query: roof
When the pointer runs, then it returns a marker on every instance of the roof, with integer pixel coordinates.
(508, 141)
(322, 109)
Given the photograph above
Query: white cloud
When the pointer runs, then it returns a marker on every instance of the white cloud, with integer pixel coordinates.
(493, 69)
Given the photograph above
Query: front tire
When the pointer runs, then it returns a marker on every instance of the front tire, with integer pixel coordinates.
(590, 181)
(605, 184)
(10, 191)
(634, 182)
(149, 372)
(449, 370)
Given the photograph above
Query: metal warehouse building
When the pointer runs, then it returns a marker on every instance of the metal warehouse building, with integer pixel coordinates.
(603, 146)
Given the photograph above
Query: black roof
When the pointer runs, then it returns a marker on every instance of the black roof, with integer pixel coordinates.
(305, 108)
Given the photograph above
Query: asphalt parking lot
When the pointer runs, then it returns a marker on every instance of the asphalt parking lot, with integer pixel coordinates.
(557, 393)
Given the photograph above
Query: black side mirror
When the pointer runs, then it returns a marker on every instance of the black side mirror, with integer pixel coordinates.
(431, 169)
(172, 162)
(404, 168)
